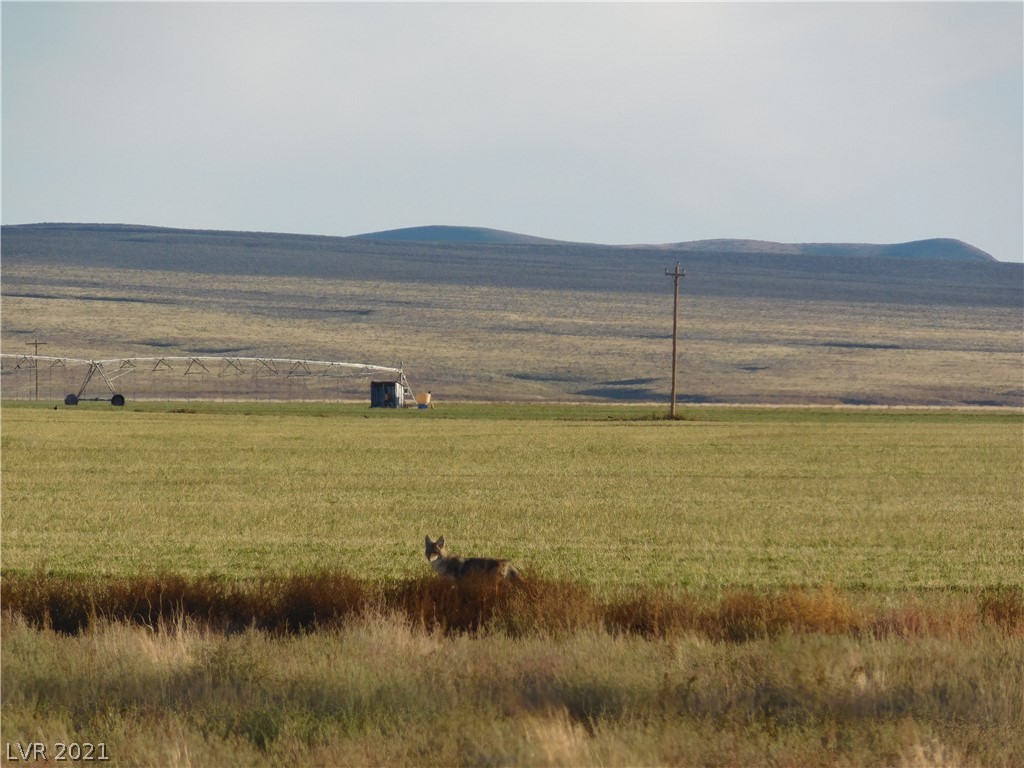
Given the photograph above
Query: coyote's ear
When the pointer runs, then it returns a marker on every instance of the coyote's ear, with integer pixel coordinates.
(440, 541)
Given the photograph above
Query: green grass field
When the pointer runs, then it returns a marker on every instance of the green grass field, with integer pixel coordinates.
(822, 587)
(609, 496)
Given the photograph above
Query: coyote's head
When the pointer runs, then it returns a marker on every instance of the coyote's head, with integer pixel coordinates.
(435, 549)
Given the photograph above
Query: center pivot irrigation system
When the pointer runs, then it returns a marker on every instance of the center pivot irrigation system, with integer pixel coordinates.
(251, 367)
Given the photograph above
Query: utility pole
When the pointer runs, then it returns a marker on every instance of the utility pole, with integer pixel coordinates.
(675, 275)
(35, 363)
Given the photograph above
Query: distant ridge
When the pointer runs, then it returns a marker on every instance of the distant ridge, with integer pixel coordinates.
(941, 248)
(439, 233)
(935, 248)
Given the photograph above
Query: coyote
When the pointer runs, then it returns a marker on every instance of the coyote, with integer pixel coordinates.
(454, 568)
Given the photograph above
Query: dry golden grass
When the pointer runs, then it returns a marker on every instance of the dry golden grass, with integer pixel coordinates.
(382, 690)
(523, 344)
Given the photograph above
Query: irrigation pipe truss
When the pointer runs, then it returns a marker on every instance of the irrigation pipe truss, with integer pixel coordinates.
(217, 365)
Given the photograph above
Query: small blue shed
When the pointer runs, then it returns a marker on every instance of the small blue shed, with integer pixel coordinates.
(387, 394)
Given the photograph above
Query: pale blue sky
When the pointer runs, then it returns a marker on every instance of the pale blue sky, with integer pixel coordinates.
(613, 123)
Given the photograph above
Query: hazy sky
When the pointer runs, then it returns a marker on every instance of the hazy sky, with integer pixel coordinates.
(613, 123)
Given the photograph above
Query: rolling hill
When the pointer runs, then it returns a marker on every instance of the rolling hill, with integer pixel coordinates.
(946, 249)
(943, 249)
(716, 268)
(438, 233)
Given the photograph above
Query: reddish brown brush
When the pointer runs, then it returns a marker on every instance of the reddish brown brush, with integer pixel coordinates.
(463, 606)
(1004, 607)
(307, 601)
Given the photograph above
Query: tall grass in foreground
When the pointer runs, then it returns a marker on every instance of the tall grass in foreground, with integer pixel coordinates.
(325, 669)
(380, 690)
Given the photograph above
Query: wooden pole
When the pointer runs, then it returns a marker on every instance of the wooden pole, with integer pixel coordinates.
(675, 275)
